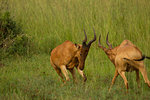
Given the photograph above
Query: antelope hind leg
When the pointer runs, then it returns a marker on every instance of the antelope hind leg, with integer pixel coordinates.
(64, 71)
(57, 70)
(73, 75)
(144, 74)
(122, 74)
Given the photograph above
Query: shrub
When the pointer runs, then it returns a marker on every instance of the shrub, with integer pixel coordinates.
(12, 38)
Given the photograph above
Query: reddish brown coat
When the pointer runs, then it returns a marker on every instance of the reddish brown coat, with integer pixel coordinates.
(126, 57)
(69, 55)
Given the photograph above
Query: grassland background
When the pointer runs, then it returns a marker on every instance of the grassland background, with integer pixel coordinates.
(51, 22)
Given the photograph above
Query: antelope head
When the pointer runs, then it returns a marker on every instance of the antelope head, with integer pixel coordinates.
(84, 50)
(110, 52)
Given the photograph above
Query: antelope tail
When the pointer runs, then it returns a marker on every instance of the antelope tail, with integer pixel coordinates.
(143, 57)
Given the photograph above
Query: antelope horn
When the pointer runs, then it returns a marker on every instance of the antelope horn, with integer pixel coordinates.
(107, 42)
(85, 39)
(99, 43)
(90, 42)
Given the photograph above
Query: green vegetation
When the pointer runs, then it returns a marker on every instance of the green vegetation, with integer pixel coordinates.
(12, 39)
(51, 22)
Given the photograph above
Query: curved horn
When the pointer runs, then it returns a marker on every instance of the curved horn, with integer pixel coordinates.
(107, 42)
(84, 41)
(99, 44)
(90, 42)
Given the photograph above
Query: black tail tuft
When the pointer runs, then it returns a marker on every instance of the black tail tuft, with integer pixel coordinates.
(147, 57)
(143, 57)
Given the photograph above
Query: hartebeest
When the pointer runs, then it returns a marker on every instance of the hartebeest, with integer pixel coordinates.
(126, 57)
(69, 55)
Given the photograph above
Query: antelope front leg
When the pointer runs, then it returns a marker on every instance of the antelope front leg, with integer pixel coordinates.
(113, 80)
(122, 74)
(82, 74)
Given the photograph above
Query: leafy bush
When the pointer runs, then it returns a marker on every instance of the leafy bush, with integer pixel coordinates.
(12, 38)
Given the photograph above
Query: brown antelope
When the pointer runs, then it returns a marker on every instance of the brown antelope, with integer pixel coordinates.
(126, 57)
(69, 55)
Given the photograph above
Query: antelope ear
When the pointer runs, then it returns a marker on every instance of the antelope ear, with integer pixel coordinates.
(78, 47)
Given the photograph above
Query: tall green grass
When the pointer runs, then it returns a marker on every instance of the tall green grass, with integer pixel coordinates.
(51, 22)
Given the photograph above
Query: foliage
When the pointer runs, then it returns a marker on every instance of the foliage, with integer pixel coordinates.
(12, 38)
